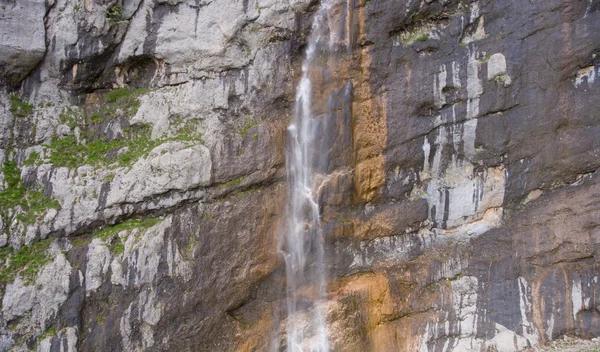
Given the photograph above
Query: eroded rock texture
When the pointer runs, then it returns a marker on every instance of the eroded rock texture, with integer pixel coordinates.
(143, 149)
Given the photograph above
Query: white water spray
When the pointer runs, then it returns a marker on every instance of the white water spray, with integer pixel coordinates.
(303, 243)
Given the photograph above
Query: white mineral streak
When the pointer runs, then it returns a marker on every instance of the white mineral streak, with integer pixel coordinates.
(459, 196)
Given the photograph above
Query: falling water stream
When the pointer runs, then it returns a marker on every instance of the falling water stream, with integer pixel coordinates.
(304, 254)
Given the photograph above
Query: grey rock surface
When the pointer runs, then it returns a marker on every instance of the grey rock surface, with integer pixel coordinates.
(143, 181)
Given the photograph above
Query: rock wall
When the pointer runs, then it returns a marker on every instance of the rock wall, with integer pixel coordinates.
(143, 177)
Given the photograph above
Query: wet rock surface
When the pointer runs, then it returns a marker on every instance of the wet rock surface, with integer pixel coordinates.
(143, 180)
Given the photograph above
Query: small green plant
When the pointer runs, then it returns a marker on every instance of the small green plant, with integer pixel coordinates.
(108, 178)
(18, 107)
(113, 13)
(117, 246)
(32, 159)
(422, 38)
(48, 333)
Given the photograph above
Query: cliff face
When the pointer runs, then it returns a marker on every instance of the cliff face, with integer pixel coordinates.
(143, 192)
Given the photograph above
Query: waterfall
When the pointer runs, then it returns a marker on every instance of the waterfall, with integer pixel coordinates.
(303, 240)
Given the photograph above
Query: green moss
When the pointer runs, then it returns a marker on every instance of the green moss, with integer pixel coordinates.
(136, 144)
(245, 193)
(33, 202)
(32, 159)
(68, 152)
(255, 136)
(233, 182)
(119, 102)
(81, 241)
(48, 333)
(113, 14)
(422, 38)
(26, 262)
(72, 118)
(108, 232)
(486, 58)
(36, 207)
(117, 94)
(108, 178)
(187, 130)
(248, 124)
(18, 107)
(100, 318)
(117, 247)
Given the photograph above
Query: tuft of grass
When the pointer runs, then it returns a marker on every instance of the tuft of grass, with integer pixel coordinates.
(32, 159)
(108, 178)
(72, 118)
(107, 232)
(48, 333)
(136, 144)
(34, 203)
(18, 107)
(114, 13)
(25, 262)
(36, 206)
(117, 246)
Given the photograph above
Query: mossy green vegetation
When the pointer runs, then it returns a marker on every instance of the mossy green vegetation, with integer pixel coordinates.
(19, 107)
(32, 159)
(187, 130)
(125, 100)
(26, 262)
(48, 333)
(422, 38)
(131, 224)
(116, 245)
(248, 124)
(69, 152)
(72, 118)
(34, 203)
(113, 14)
(92, 148)
(233, 182)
